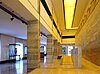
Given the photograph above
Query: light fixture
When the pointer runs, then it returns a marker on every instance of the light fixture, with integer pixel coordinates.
(41, 35)
(12, 18)
(69, 12)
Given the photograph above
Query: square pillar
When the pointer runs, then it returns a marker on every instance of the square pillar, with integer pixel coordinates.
(55, 48)
(33, 44)
(77, 57)
(49, 49)
(59, 49)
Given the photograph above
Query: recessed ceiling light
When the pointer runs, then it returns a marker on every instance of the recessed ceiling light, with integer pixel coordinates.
(69, 12)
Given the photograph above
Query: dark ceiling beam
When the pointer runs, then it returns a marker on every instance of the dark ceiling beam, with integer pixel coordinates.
(49, 13)
(12, 13)
(43, 34)
(46, 7)
(64, 37)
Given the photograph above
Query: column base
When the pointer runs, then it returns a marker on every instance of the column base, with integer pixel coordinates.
(49, 59)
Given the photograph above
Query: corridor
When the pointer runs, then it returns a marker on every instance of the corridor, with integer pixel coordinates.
(49, 36)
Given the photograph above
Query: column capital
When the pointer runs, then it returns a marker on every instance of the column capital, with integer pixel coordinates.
(49, 35)
(32, 21)
(55, 40)
(58, 42)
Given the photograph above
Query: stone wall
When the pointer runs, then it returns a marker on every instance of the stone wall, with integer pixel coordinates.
(89, 37)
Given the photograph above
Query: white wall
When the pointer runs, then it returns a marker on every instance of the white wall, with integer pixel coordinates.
(0, 47)
(88, 38)
(5, 41)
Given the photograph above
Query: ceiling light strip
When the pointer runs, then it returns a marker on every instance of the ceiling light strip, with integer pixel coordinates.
(69, 12)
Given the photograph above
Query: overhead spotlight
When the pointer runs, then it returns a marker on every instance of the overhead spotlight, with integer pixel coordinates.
(23, 22)
(41, 34)
(0, 2)
(12, 18)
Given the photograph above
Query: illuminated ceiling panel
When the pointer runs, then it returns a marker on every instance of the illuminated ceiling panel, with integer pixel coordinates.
(69, 12)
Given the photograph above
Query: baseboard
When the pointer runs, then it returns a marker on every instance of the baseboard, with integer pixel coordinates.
(7, 61)
(24, 58)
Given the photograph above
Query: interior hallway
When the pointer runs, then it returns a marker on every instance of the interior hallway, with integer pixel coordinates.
(57, 68)
(69, 22)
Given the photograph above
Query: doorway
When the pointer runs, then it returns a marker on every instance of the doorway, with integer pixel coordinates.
(19, 51)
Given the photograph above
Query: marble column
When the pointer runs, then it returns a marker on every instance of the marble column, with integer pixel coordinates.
(33, 43)
(59, 49)
(55, 48)
(77, 57)
(49, 49)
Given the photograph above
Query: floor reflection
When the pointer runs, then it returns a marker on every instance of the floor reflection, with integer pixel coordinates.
(57, 68)
(44, 59)
(19, 67)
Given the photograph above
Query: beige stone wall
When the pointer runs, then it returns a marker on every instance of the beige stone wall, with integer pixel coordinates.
(89, 37)
(49, 49)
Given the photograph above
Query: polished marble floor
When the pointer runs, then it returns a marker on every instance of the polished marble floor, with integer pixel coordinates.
(19, 67)
(57, 68)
